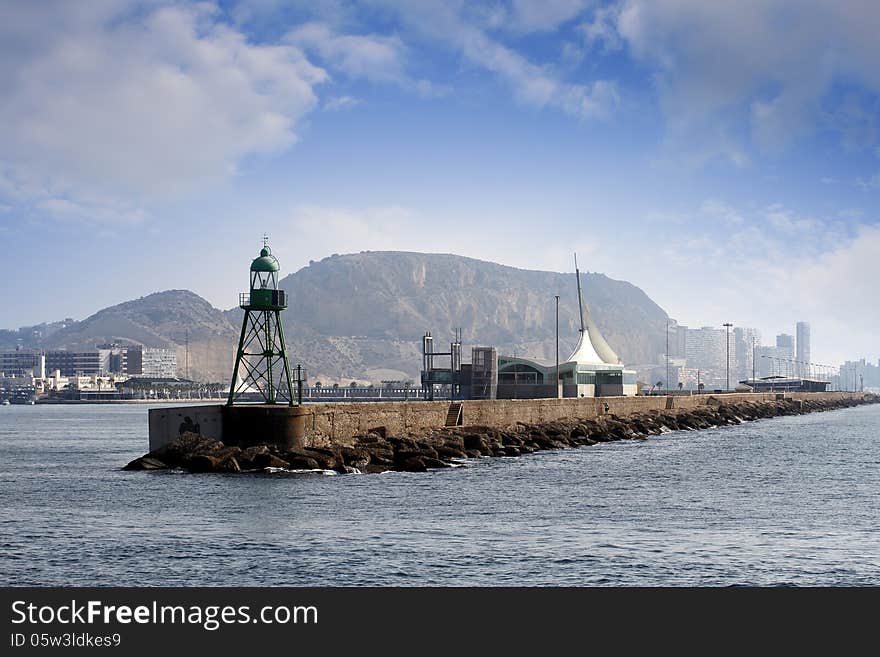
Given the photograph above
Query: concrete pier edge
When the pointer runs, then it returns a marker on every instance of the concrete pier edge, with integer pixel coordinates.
(336, 424)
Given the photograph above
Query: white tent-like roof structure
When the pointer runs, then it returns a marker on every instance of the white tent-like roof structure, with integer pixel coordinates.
(591, 349)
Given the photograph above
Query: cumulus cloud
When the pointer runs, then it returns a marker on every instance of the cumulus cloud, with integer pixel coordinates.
(133, 100)
(532, 84)
(600, 30)
(872, 182)
(345, 230)
(766, 65)
(373, 57)
(338, 103)
(767, 267)
(544, 15)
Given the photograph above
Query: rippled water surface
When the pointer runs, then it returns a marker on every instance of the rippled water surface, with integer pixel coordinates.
(781, 501)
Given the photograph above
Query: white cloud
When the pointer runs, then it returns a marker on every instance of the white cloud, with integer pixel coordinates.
(139, 101)
(767, 268)
(92, 211)
(601, 29)
(534, 85)
(543, 15)
(338, 103)
(722, 211)
(870, 183)
(345, 230)
(766, 65)
(372, 57)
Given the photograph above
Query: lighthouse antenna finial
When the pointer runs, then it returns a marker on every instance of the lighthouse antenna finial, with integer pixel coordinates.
(265, 240)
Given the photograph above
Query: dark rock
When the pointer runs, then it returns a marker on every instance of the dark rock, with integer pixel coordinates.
(178, 453)
(435, 463)
(474, 441)
(402, 444)
(303, 463)
(511, 439)
(450, 453)
(354, 457)
(202, 463)
(403, 455)
(247, 456)
(146, 463)
(413, 464)
(326, 458)
(267, 460)
(227, 464)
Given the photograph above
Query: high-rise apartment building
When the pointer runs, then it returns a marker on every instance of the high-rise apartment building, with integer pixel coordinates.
(706, 351)
(159, 363)
(746, 341)
(803, 349)
(785, 342)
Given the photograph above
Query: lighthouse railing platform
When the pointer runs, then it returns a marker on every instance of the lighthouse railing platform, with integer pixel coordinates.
(267, 299)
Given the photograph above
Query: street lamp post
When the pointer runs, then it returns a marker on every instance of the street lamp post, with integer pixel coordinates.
(727, 326)
(667, 354)
(557, 349)
(754, 361)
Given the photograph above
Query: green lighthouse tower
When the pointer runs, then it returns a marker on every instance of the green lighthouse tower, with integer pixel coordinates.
(261, 361)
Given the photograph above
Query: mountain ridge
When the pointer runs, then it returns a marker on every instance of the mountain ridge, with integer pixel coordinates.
(352, 315)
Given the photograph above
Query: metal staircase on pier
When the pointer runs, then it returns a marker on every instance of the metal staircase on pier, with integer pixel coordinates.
(453, 416)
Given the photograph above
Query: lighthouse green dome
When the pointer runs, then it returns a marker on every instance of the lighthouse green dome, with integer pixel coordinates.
(266, 261)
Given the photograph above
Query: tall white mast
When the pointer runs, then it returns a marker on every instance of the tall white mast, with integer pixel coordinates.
(577, 274)
(591, 347)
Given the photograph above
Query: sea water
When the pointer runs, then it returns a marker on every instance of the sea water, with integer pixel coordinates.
(784, 501)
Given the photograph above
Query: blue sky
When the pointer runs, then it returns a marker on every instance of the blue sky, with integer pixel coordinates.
(725, 157)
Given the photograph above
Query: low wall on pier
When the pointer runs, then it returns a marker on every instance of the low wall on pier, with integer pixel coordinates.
(319, 425)
(337, 423)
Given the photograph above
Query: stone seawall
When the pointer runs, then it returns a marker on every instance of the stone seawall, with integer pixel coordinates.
(337, 424)
(377, 450)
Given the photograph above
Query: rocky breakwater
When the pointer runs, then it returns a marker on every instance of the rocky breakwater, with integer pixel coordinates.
(447, 447)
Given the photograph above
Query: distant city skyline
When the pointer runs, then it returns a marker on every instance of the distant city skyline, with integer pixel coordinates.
(724, 158)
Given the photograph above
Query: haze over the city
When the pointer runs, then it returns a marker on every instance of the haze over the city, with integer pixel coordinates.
(724, 157)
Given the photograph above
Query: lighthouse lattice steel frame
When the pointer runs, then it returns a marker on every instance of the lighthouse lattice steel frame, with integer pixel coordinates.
(262, 354)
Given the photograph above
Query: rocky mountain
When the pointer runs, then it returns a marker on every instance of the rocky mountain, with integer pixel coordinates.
(350, 315)
(361, 316)
(160, 320)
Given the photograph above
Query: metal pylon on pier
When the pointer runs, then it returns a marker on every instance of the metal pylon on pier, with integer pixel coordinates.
(261, 364)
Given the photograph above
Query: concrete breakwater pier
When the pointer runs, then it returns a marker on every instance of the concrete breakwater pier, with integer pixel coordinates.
(415, 436)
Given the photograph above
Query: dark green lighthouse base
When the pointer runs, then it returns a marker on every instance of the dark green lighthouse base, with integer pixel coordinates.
(254, 424)
(242, 425)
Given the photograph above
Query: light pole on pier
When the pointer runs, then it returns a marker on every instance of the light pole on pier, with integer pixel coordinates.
(727, 326)
(667, 354)
(557, 348)
(754, 361)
